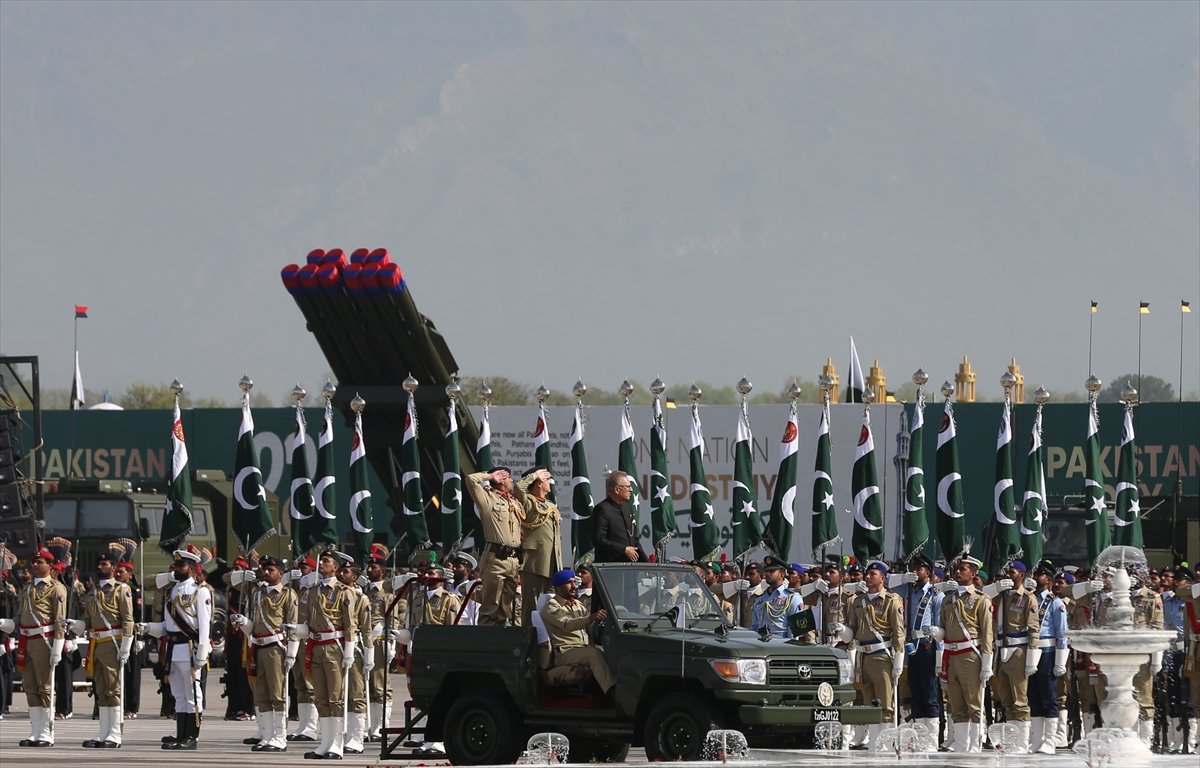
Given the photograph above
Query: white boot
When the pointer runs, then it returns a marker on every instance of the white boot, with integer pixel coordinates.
(1193, 727)
(260, 729)
(338, 727)
(276, 734)
(930, 742)
(949, 744)
(975, 734)
(386, 720)
(104, 727)
(1060, 740)
(847, 734)
(1174, 735)
(1020, 743)
(873, 736)
(114, 724)
(327, 735)
(1145, 731)
(860, 736)
(45, 723)
(373, 722)
(962, 741)
(1045, 739)
(308, 724)
(354, 732)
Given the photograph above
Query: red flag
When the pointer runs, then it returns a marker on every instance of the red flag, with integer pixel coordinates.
(80, 311)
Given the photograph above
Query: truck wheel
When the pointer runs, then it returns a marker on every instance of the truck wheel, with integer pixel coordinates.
(480, 730)
(677, 727)
(586, 750)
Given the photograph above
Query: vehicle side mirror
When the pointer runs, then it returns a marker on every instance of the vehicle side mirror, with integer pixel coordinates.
(144, 528)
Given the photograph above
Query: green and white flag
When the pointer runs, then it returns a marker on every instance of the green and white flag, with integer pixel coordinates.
(867, 540)
(410, 482)
(662, 505)
(251, 518)
(541, 447)
(322, 527)
(452, 496)
(1093, 488)
(950, 527)
(1007, 532)
(362, 518)
(300, 495)
(747, 527)
(177, 522)
(705, 535)
(1033, 505)
(581, 494)
(1127, 522)
(916, 523)
(824, 513)
(783, 515)
(483, 463)
(627, 463)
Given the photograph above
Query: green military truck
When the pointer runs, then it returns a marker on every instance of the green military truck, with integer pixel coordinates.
(480, 690)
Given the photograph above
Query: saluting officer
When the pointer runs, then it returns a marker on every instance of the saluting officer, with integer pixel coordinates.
(966, 662)
(875, 623)
(329, 621)
(542, 538)
(1052, 663)
(41, 612)
(379, 596)
(1016, 634)
(501, 516)
(108, 608)
(271, 607)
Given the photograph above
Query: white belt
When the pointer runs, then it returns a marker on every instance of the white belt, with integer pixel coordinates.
(268, 639)
(319, 636)
(100, 634)
(874, 646)
(961, 645)
(1047, 642)
(1015, 642)
(37, 631)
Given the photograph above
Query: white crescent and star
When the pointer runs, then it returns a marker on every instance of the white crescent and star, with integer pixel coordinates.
(355, 500)
(239, 487)
(1001, 487)
(943, 494)
(319, 496)
(860, 506)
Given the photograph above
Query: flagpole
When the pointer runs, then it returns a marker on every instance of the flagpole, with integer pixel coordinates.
(1143, 309)
(1091, 322)
(73, 407)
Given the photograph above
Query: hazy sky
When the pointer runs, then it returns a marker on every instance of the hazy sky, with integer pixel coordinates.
(605, 190)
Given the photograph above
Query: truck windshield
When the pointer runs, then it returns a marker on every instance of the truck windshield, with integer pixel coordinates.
(643, 593)
(104, 517)
(59, 515)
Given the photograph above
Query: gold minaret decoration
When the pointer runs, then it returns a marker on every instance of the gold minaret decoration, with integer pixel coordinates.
(877, 382)
(1018, 390)
(831, 371)
(964, 382)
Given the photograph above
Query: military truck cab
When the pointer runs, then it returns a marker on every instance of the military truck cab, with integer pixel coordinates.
(681, 668)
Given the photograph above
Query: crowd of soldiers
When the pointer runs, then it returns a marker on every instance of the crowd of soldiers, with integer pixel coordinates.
(948, 648)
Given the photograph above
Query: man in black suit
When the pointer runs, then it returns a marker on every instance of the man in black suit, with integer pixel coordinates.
(613, 533)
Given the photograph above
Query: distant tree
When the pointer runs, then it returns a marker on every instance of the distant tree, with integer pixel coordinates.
(504, 391)
(1153, 389)
(143, 396)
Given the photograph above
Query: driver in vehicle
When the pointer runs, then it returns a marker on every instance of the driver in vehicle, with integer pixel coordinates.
(567, 620)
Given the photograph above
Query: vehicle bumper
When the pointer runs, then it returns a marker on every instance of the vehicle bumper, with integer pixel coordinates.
(762, 714)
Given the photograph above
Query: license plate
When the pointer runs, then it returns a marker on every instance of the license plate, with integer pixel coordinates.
(824, 715)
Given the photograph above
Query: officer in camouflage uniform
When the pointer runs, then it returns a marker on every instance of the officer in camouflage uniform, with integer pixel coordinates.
(272, 653)
(109, 624)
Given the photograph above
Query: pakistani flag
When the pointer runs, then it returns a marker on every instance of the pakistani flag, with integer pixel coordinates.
(301, 495)
(452, 496)
(628, 464)
(362, 520)
(541, 447)
(662, 505)
(251, 519)
(483, 463)
(705, 536)
(1093, 488)
(824, 514)
(916, 523)
(855, 385)
(779, 526)
(322, 529)
(1007, 533)
(1033, 506)
(950, 527)
(410, 482)
(581, 494)
(1127, 523)
(867, 540)
(177, 517)
(747, 527)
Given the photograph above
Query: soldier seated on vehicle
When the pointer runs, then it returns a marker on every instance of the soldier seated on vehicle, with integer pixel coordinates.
(566, 620)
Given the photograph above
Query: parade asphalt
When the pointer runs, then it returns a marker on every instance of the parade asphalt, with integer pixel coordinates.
(221, 745)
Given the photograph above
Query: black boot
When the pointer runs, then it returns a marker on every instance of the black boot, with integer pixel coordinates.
(167, 741)
(191, 730)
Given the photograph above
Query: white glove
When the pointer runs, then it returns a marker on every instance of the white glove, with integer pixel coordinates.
(77, 626)
(3, 648)
(69, 646)
(1196, 590)
(138, 646)
(154, 629)
(995, 588)
(293, 648)
(126, 646)
(1060, 661)
(163, 580)
(368, 664)
(948, 586)
(238, 577)
(1033, 657)
(731, 588)
(290, 576)
(985, 667)
(296, 631)
(56, 652)
(347, 654)
(935, 633)
(401, 580)
(201, 654)
(376, 632)
(843, 632)
(8, 626)
(821, 586)
(808, 589)
(1156, 659)
(1030, 584)
(897, 664)
(309, 579)
(857, 588)
(393, 635)
(238, 620)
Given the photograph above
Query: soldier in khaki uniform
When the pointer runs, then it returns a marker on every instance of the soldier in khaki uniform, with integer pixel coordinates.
(1016, 629)
(566, 620)
(110, 627)
(1147, 614)
(965, 663)
(441, 605)
(329, 621)
(542, 538)
(501, 516)
(271, 608)
(875, 623)
(41, 611)
(301, 579)
(379, 596)
(364, 663)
